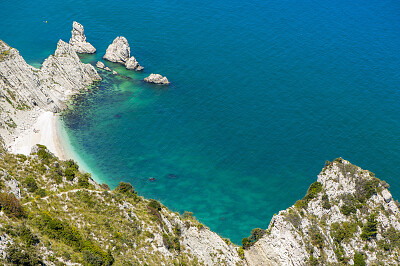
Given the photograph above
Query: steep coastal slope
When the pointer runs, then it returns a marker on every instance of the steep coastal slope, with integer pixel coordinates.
(348, 216)
(56, 215)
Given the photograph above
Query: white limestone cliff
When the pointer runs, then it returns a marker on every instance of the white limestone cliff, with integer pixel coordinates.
(344, 198)
(24, 89)
(78, 40)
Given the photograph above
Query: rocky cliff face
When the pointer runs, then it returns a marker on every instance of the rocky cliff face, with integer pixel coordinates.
(348, 215)
(24, 88)
(120, 52)
(78, 40)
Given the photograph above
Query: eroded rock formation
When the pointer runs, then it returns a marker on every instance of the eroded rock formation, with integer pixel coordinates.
(120, 52)
(157, 79)
(78, 40)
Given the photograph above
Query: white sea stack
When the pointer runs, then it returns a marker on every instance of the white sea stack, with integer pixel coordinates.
(157, 79)
(120, 52)
(114, 72)
(100, 65)
(107, 69)
(78, 40)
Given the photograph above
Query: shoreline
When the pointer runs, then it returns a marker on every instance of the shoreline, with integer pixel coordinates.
(47, 130)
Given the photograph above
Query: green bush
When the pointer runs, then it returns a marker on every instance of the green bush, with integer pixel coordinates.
(317, 238)
(348, 209)
(325, 202)
(41, 192)
(369, 230)
(71, 164)
(312, 192)
(84, 180)
(154, 204)
(126, 189)
(27, 236)
(21, 255)
(359, 259)
(187, 215)
(366, 188)
(31, 184)
(69, 235)
(43, 154)
(69, 174)
(171, 242)
(255, 235)
(11, 206)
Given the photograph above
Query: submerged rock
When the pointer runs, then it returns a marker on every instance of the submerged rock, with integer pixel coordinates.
(157, 79)
(120, 52)
(114, 72)
(100, 65)
(78, 40)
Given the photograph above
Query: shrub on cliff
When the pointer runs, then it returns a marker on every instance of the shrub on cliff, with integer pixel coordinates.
(31, 184)
(369, 230)
(255, 235)
(22, 255)
(43, 154)
(312, 192)
(11, 205)
(126, 189)
(84, 180)
(154, 204)
(359, 259)
(171, 242)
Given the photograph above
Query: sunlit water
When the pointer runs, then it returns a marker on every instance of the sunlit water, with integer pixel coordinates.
(263, 92)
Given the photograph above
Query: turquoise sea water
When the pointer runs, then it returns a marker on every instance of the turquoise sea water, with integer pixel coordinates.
(263, 93)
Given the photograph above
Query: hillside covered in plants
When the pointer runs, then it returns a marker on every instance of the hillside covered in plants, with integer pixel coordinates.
(53, 214)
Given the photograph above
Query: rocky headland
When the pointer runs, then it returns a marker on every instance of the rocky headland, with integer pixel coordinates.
(120, 52)
(27, 91)
(78, 40)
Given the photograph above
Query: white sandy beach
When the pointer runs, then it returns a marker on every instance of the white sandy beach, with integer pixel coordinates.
(45, 131)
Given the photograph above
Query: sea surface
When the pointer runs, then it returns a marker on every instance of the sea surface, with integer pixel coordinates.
(263, 92)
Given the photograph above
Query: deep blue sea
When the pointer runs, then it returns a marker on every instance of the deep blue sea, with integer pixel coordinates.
(263, 92)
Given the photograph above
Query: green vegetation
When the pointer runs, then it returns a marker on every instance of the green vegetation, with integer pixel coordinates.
(57, 220)
(359, 259)
(369, 230)
(343, 231)
(11, 206)
(325, 202)
(256, 234)
(312, 192)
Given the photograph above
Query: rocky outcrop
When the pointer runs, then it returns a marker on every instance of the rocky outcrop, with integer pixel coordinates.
(24, 88)
(157, 79)
(120, 52)
(78, 40)
(347, 213)
(100, 65)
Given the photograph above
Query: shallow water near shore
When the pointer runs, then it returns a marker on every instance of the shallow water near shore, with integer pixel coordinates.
(262, 94)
